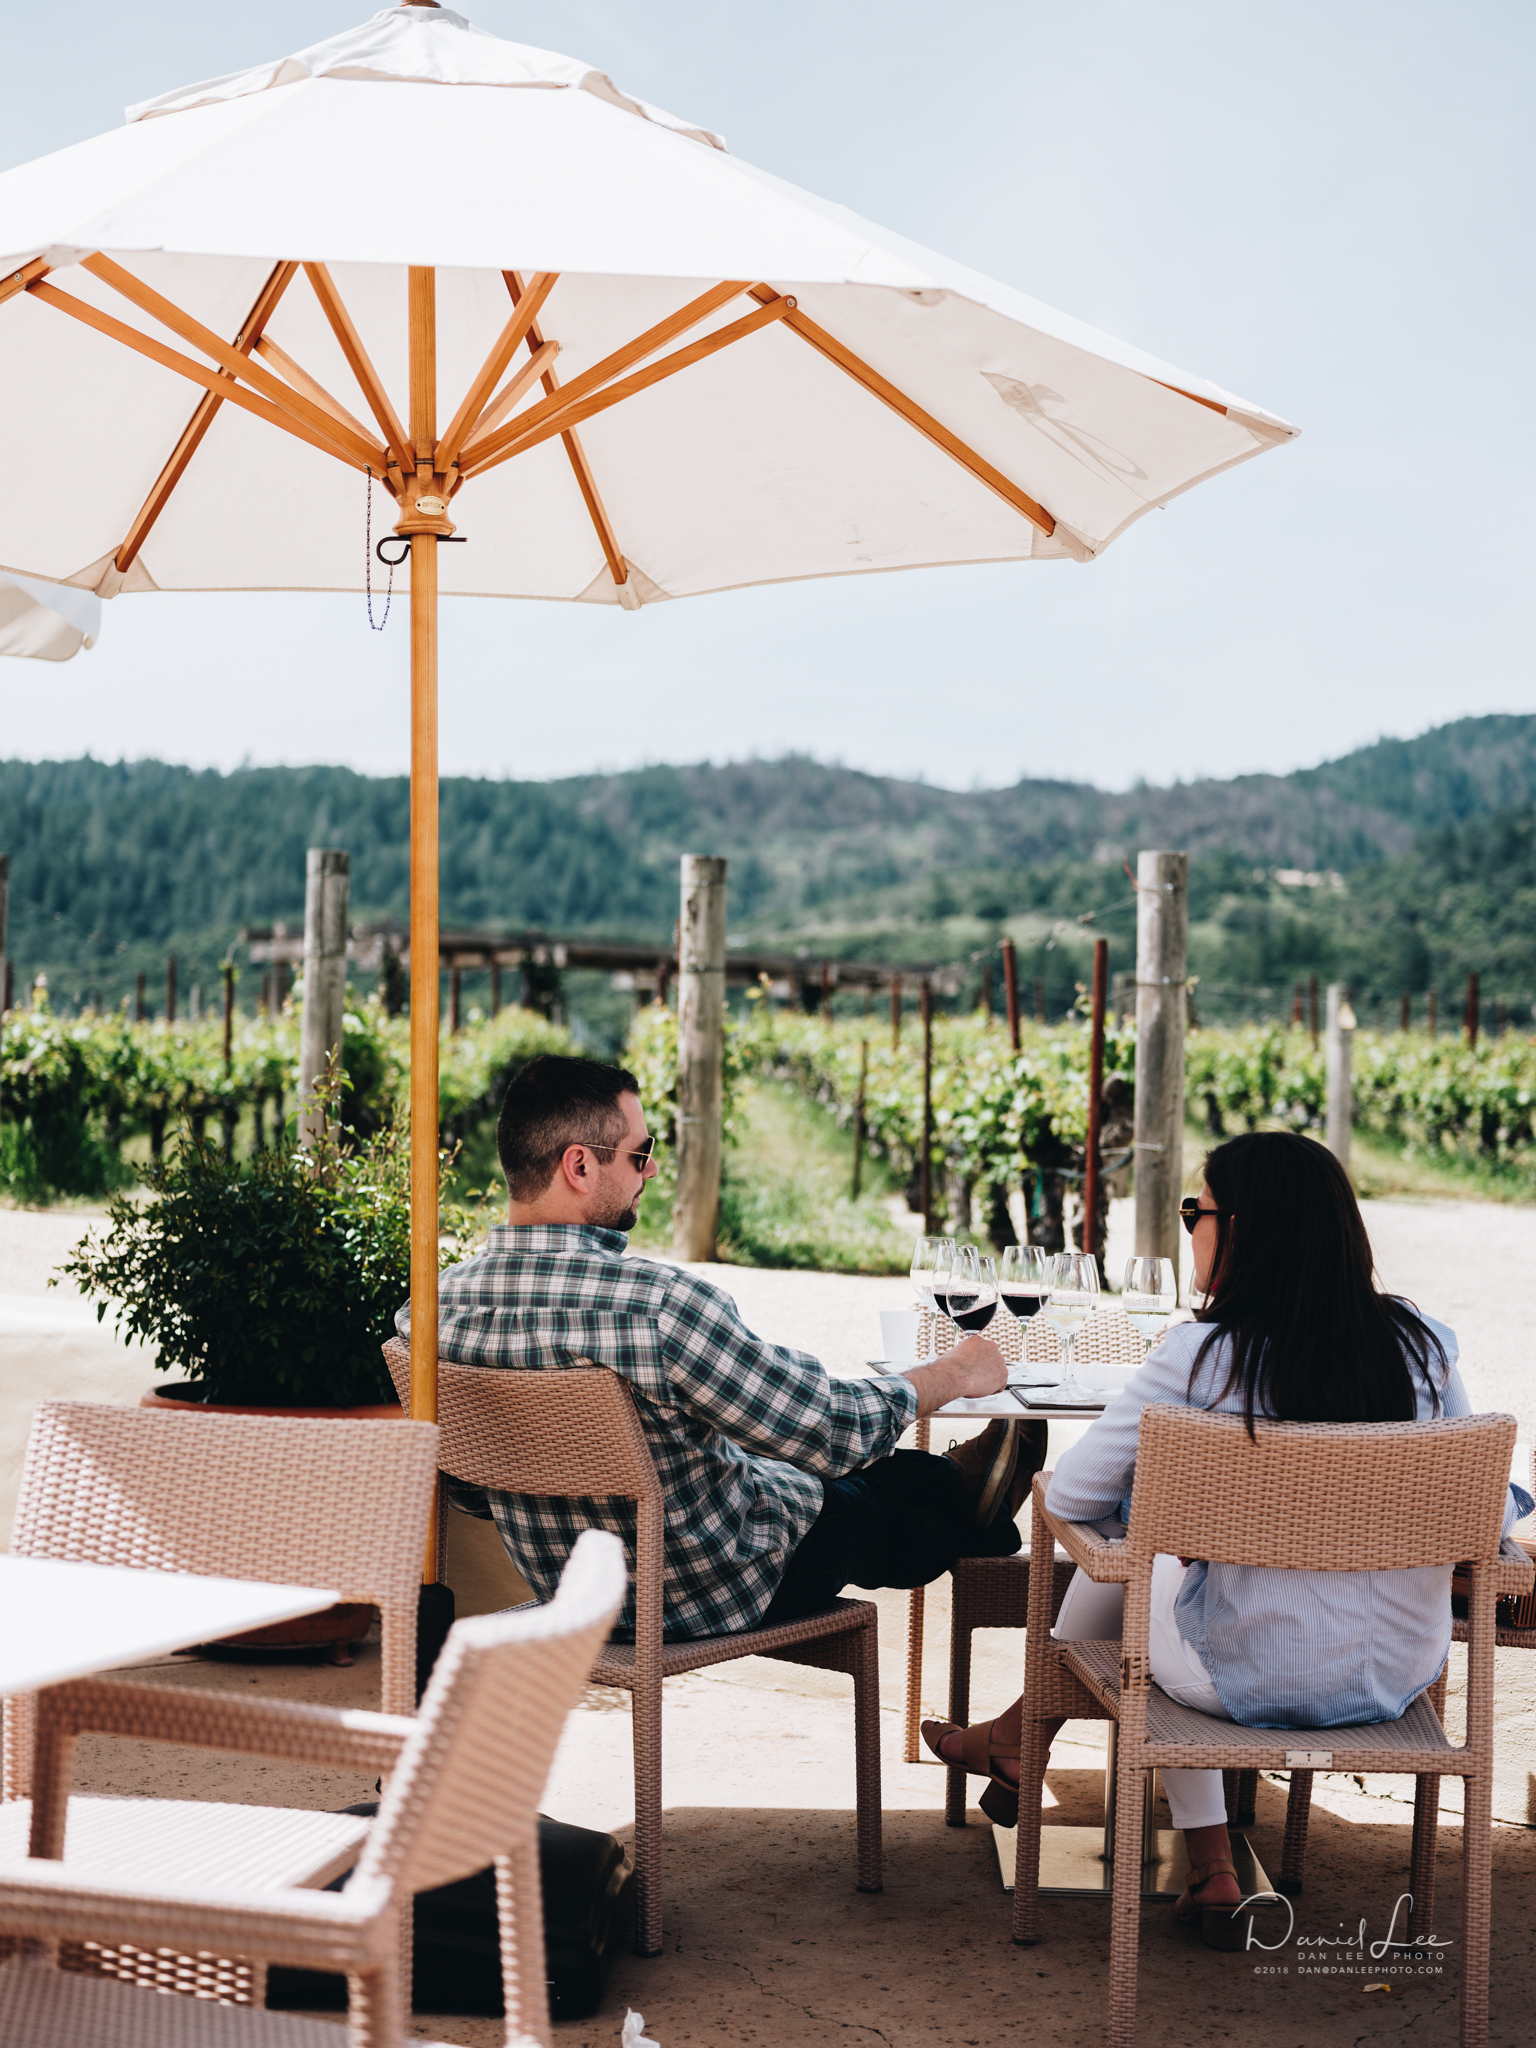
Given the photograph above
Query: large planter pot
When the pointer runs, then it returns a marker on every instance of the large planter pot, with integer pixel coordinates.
(340, 1626)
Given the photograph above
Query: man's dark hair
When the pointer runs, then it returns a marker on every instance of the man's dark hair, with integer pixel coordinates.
(554, 1102)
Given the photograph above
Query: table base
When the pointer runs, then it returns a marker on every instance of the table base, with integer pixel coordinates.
(1073, 1863)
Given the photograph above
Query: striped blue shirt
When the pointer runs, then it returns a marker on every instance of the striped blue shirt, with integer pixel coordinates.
(741, 1432)
(1285, 1649)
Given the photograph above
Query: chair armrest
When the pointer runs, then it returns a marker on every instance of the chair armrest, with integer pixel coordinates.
(343, 1738)
(1515, 1573)
(1100, 1557)
(216, 1720)
(318, 1930)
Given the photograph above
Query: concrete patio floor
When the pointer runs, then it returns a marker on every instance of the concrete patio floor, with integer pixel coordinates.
(767, 1942)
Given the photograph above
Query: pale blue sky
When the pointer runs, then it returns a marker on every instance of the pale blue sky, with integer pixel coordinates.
(1325, 208)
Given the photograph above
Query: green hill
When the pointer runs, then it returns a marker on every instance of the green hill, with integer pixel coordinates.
(1434, 839)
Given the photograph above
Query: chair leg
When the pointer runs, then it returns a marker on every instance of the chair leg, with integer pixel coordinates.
(1476, 1907)
(520, 1918)
(1242, 1790)
(647, 1737)
(916, 1601)
(1421, 1870)
(376, 2011)
(1298, 1813)
(1034, 1756)
(960, 1628)
(866, 1758)
(1125, 1903)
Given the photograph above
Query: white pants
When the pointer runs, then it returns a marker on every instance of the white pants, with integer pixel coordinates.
(1092, 1613)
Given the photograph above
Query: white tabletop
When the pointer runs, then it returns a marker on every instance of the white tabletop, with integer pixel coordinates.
(1005, 1404)
(61, 1621)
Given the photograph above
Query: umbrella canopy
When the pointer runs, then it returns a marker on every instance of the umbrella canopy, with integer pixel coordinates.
(904, 411)
(229, 319)
(44, 621)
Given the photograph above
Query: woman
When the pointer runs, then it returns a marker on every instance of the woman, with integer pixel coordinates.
(1294, 1328)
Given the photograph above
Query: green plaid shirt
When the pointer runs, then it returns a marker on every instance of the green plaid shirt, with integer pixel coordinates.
(742, 1432)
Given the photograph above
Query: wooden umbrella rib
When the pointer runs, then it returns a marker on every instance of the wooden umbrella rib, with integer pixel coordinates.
(614, 365)
(499, 406)
(359, 363)
(215, 381)
(362, 447)
(19, 280)
(204, 414)
(1193, 396)
(470, 414)
(599, 401)
(586, 483)
(300, 379)
(889, 394)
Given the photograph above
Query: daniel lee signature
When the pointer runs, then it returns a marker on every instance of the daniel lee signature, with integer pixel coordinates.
(1355, 1944)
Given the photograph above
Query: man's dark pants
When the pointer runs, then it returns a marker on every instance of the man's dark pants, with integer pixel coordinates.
(902, 1521)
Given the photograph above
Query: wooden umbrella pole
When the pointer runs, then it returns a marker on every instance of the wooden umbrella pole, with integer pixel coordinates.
(1089, 1238)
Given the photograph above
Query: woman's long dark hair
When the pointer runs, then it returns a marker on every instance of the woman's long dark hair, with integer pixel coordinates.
(1293, 1286)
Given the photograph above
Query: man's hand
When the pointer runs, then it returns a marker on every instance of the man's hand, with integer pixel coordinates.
(974, 1367)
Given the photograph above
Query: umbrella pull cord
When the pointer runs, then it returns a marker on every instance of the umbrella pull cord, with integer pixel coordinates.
(392, 564)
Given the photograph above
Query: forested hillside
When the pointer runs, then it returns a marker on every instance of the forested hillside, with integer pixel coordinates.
(114, 865)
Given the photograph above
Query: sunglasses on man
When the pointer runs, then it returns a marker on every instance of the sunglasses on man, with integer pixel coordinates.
(1190, 1213)
(643, 1158)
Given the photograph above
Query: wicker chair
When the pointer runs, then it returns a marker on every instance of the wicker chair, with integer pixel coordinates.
(575, 1432)
(340, 1503)
(1301, 1497)
(464, 1779)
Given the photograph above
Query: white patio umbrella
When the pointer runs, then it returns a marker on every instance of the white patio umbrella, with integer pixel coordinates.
(366, 258)
(46, 621)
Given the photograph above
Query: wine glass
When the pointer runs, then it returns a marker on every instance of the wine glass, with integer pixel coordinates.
(932, 1260)
(1149, 1294)
(1073, 1297)
(972, 1289)
(1022, 1290)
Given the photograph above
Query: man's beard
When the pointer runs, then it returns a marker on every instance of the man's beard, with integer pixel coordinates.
(615, 1214)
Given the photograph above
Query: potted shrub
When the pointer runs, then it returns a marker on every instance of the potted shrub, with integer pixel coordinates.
(269, 1283)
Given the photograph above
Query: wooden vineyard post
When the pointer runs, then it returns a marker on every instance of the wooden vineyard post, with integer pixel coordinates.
(327, 881)
(1406, 1012)
(858, 1119)
(895, 1013)
(1472, 1012)
(495, 986)
(925, 1180)
(228, 972)
(170, 989)
(1340, 1107)
(1312, 1008)
(1162, 928)
(1088, 1238)
(1011, 990)
(454, 993)
(1498, 1018)
(826, 993)
(700, 1055)
(1433, 1013)
(1039, 1000)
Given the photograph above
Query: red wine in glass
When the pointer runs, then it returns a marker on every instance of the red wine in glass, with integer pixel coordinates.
(968, 1312)
(1022, 1302)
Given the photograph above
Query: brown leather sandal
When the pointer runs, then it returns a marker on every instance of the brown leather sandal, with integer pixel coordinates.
(1221, 1927)
(979, 1755)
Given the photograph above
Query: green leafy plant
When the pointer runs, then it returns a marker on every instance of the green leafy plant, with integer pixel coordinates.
(270, 1281)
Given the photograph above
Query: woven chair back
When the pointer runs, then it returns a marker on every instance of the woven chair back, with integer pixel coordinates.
(469, 1779)
(572, 1431)
(341, 1503)
(1328, 1497)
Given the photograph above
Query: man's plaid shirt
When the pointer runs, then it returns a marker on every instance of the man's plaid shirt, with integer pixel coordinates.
(742, 1432)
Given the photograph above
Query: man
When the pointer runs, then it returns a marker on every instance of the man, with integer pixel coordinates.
(782, 1485)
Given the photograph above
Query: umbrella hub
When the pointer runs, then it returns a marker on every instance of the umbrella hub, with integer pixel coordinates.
(424, 507)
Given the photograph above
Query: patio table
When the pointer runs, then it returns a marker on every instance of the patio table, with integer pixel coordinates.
(61, 1621)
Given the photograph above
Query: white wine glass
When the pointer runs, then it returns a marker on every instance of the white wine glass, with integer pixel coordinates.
(932, 1262)
(1022, 1289)
(1149, 1294)
(1073, 1297)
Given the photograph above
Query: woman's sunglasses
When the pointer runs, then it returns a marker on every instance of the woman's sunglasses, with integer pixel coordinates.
(1190, 1212)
